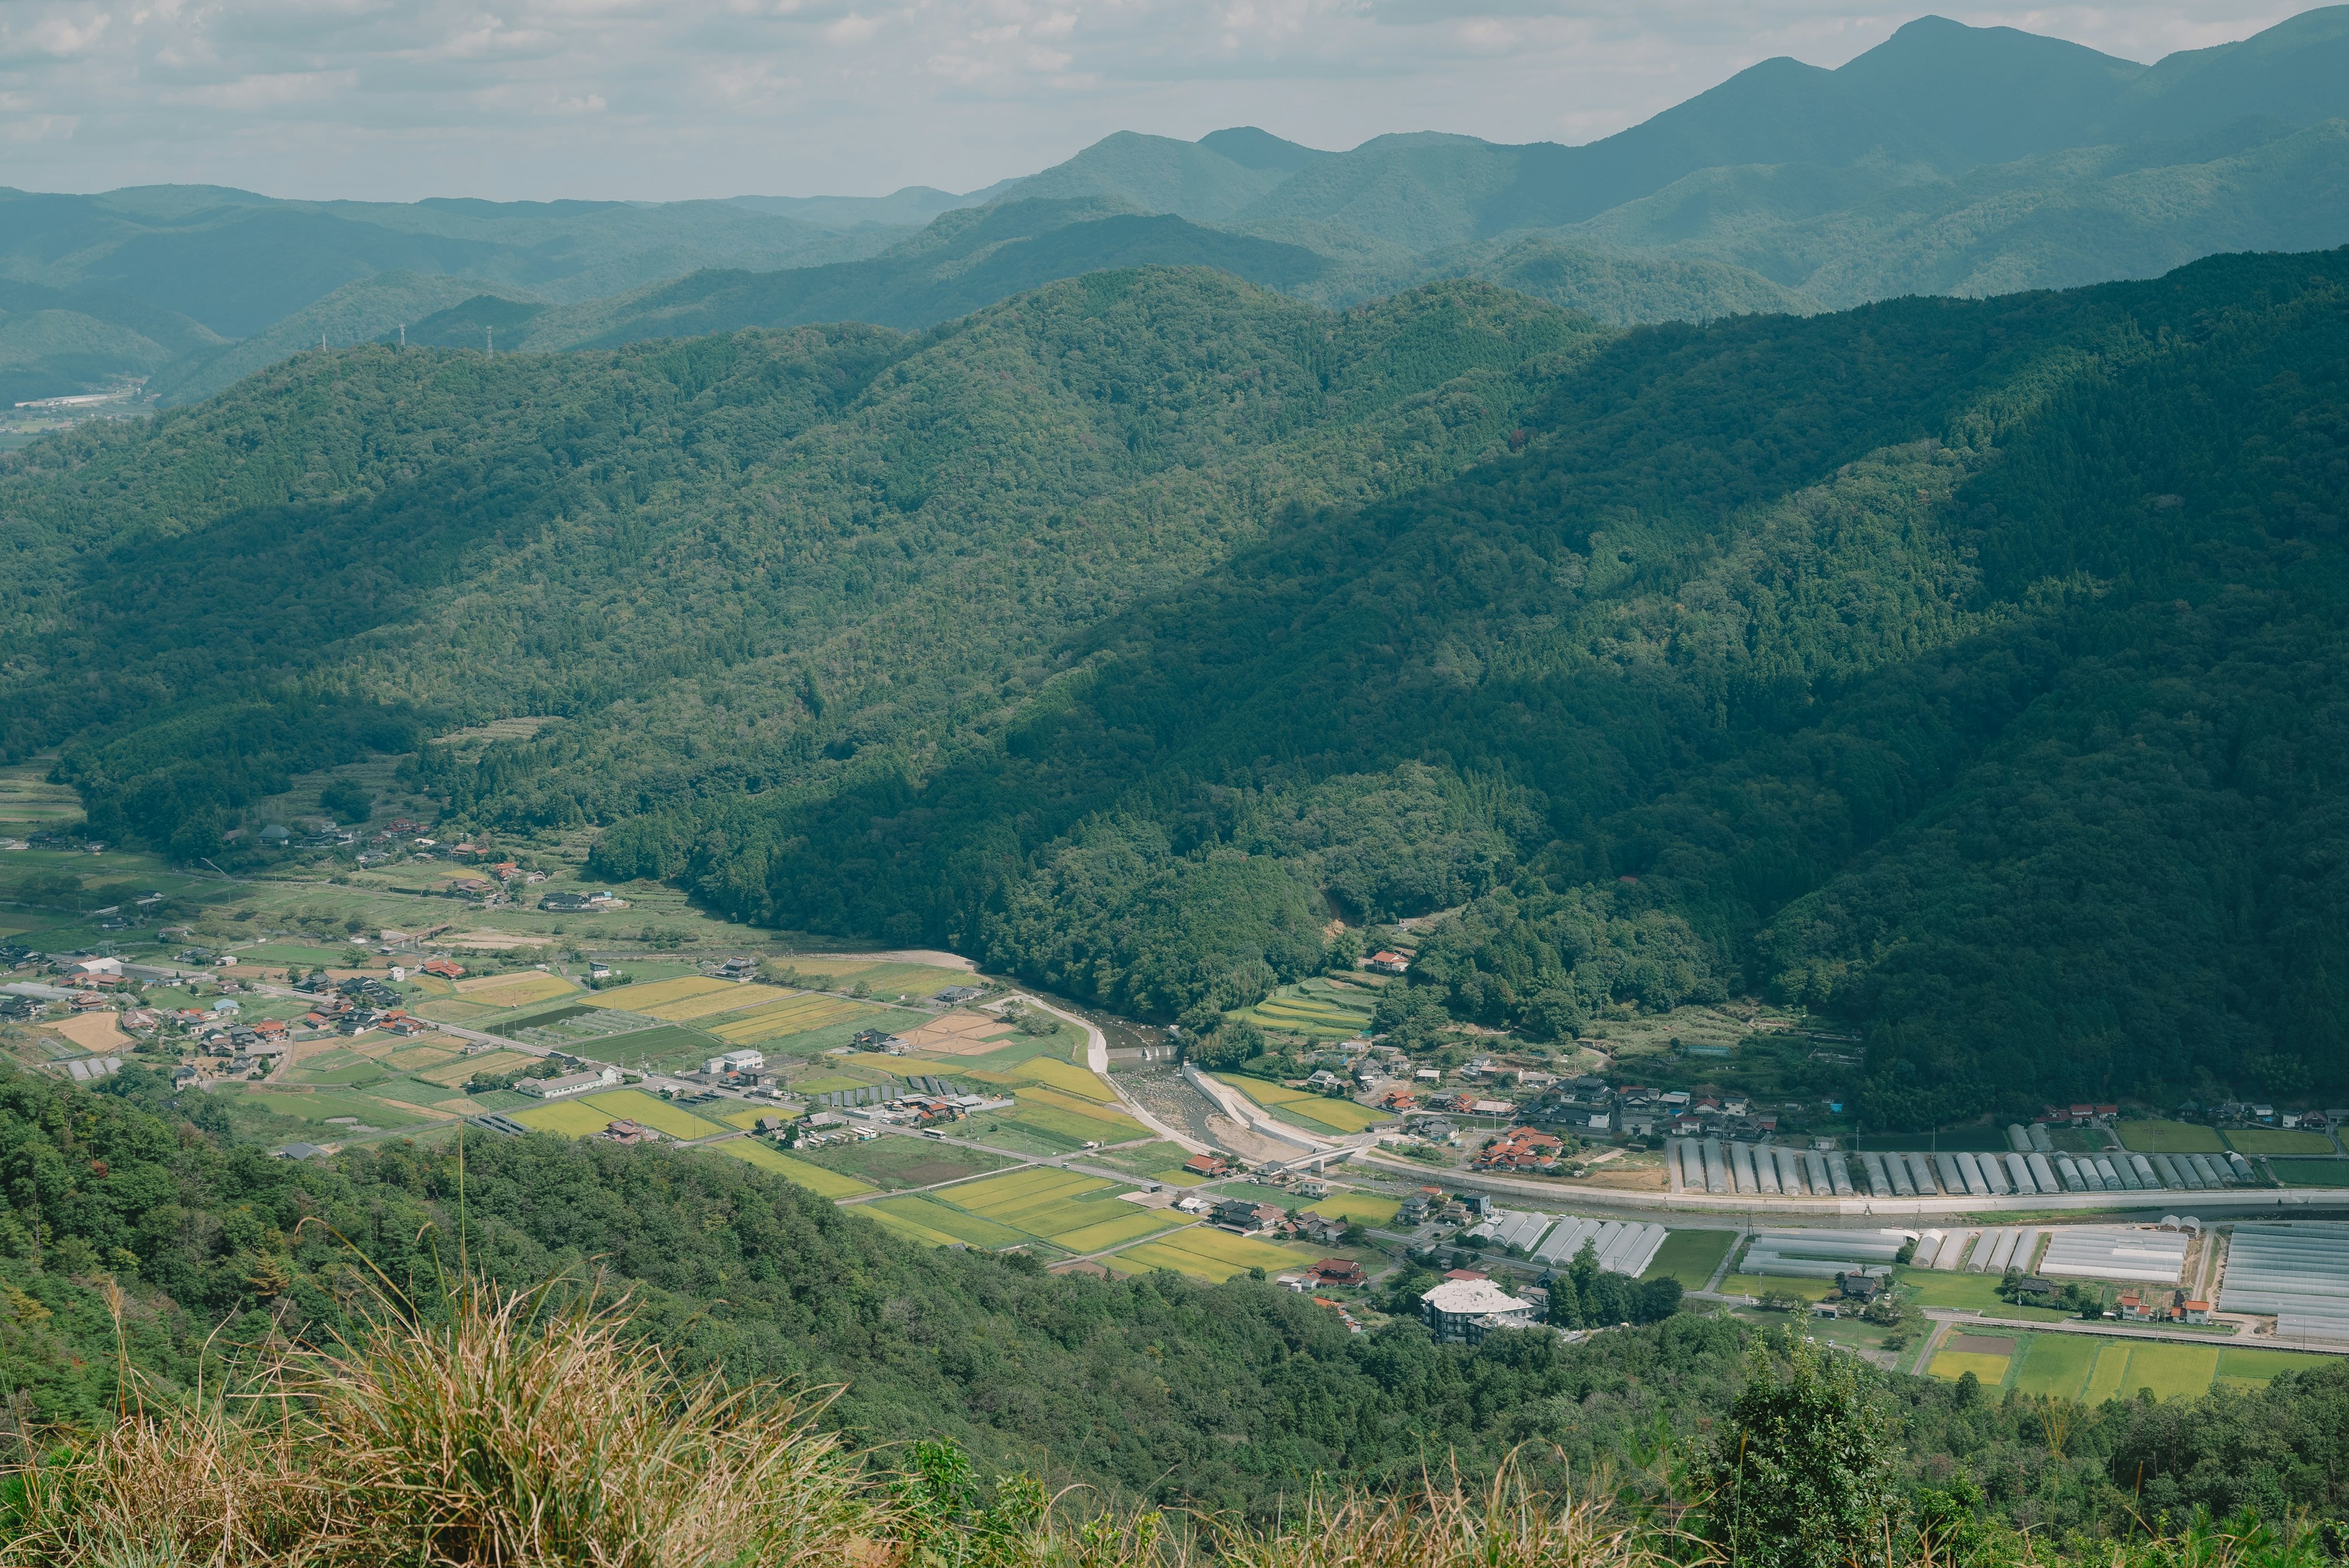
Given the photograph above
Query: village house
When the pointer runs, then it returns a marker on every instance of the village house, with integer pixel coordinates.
(570, 1084)
(1387, 962)
(1339, 1271)
(1239, 1214)
(1522, 1149)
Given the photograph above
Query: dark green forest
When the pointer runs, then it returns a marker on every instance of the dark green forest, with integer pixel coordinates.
(1968, 670)
(1231, 1397)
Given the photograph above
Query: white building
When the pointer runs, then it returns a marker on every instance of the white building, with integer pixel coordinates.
(736, 1062)
(570, 1084)
(1471, 1309)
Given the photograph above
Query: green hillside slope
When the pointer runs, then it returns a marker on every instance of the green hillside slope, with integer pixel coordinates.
(880, 541)
(1124, 632)
(1758, 625)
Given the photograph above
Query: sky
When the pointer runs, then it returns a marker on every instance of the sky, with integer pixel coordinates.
(663, 100)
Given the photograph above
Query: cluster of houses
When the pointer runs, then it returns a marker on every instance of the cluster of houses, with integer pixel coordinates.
(1247, 1217)
(1523, 1149)
(2148, 1307)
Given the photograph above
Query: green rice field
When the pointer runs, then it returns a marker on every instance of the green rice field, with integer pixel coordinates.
(2093, 1369)
(2310, 1172)
(2277, 1140)
(1690, 1257)
(2169, 1138)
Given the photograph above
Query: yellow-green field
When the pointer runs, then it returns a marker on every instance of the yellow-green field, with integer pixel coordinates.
(1207, 1254)
(1065, 1076)
(654, 994)
(2095, 1368)
(791, 1015)
(513, 990)
(940, 1224)
(572, 1118)
(654, 1112)
(1955, 1364)
(734, 998)
(1103, 1235)
(1321, 1111)
(1368, 1207)
(814, 1178)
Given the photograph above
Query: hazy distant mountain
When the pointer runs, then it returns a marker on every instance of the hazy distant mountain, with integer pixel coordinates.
(962, 262)
(1205, 180)
(1949, 159)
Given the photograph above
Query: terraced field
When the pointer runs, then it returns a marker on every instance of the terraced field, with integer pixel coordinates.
(1316, 1009)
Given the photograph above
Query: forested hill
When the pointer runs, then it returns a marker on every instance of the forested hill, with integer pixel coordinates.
(1236, 1399)
(1972, 669)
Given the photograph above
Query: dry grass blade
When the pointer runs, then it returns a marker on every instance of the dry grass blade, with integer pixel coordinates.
(1513, 1522)
(502, 1436)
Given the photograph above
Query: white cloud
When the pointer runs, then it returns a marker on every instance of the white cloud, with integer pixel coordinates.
(402, 99)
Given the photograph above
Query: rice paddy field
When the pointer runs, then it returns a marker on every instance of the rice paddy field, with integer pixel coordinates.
(1208, 1254)
(661, 1116)
(1690, 1257)
(767, 1156)
(503, 991)
(2310, 1172)
(2093, 1369)
(1034, 1205)
(1305, 1108)
(2277, 1140)
(2169, 1138)
(1363, 1207)
(646, 996)
(1316, 1009)
(789, 1013)
(733, 996)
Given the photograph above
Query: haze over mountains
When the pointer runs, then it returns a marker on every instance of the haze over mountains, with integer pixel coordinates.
(1947, 159)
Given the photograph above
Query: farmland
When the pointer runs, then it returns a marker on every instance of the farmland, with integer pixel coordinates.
(503, 991)
(789, 1015)
(766, 1157)
(2092, 1368)
(2277, 1140)
(2169, 1138)
(1037, 1205)
(1690, 1257)
(1208, 1254)
(1304, 1107)
(1317, 1009)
